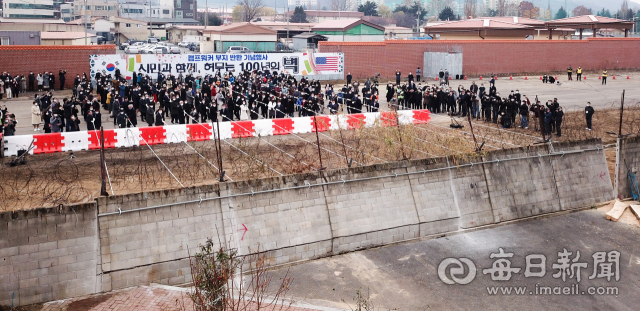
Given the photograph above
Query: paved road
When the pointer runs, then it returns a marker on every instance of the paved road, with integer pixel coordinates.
(571, 95)
(405, 277)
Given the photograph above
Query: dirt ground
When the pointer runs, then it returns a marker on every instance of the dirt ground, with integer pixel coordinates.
(53, 179)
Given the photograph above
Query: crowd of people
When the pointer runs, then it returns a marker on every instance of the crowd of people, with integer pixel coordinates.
(191, 98)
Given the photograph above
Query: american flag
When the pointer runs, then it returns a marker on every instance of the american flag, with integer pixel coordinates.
(327, 63)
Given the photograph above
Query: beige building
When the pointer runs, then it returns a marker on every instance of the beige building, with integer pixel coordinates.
(256, 38)
(177, 34)
(494, 29)
(37, 25)
(95, 8)
(125, 29)
(65, 38)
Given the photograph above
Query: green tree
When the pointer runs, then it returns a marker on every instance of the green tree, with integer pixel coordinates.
(213, 19)
(299, 16)
(562, 13)
(412, 10)
(369, 8)
(491, 13)
(447, 14)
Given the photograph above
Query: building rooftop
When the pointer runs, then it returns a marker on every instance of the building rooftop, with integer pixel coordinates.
(343, 24)
(590, 21)
(516, 20)
(283, 26)
(341, 14)
(63, 35)
(31, 20)
(475, 24)
(239, 28)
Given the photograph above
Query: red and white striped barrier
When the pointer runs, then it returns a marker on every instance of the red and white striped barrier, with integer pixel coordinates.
(177, 133)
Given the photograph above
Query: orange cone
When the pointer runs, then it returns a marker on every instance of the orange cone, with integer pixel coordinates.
(540, 77)
(436, 78)
(600, 78)
(556, 78)
(496, 78)
(585, 77)
(510, 77)
(449, 78)
(526, 78)
(465, 77)
(480, 77)
(627, 77)
(614, 77)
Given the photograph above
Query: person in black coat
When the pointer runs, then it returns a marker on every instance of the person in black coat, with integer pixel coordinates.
(375, 106)
(226, 113)
(588, 112)
(180, 113)
(74, 124)
(32, 80)
(559, 115)
(131, 114)
(61, 74)
(90, 119)
(122, 119)
(149, 113)
(253, 110)
(97, 119)
(159, 118)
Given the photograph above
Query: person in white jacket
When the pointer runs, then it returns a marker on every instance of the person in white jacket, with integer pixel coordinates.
(272, 111)
(244, 111)
(40, 80)
(7, 88)
(35, 116)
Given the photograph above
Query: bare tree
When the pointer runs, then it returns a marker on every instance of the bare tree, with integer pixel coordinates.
(470, 8)
(339, 5)
(250, 9)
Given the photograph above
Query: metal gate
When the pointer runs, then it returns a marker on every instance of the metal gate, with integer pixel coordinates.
(434, 61)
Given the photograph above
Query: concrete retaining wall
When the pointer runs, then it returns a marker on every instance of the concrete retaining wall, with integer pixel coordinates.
(629, 153)
(48, 254)
(127, 240)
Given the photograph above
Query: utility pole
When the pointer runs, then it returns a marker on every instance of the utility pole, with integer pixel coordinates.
(85, 22)
(418, 24)
(150, 34)
(103, 168)
(206, 14)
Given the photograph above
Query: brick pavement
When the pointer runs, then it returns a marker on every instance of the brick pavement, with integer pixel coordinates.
(147, 298)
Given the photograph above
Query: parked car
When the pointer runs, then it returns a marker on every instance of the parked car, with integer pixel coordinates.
(194, 46)
(129, 42)
(148, 49)
(152, 41)
(238, 49)
(173, 49)
(161, 50)
(132, 49)
(184, 44)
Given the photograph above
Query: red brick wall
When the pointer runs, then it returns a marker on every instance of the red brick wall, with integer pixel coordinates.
(20, 59)
(484, 57)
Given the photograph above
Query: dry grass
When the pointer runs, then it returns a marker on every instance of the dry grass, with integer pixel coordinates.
(52, 179)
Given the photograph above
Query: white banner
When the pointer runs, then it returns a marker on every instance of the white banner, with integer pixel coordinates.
(307, 64)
